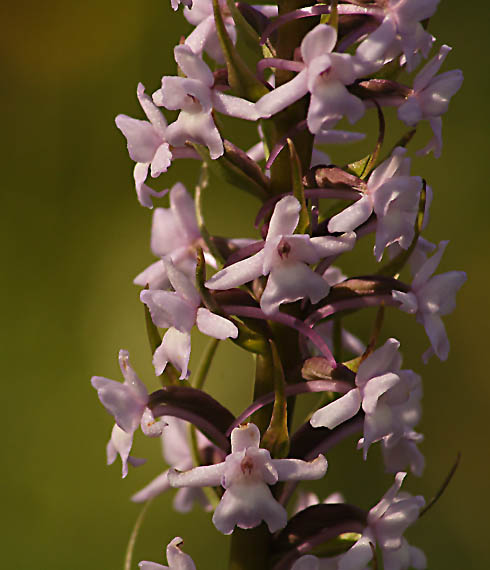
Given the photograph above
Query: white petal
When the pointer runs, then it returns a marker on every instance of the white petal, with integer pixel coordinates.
(184, 211)
(245, 436)
(159, 485)
(203, 476)
(283, 96)
(237, 274)
(298, 470)
(317, 42)
(289, 282)
(328, 245)
(338, 411)
(352, 217)
(235, 106)
(175, 348)
(192, 65)
(285, 217)
(214, 325)
(177, 559)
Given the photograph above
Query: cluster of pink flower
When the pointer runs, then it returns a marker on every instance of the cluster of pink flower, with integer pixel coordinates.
(280, 297)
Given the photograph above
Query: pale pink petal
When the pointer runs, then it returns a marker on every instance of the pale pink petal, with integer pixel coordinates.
(197, 39)
(184, 287)
(166, 232)
(245, 436)
(177, 559)
(410, 112)
(149, 426)
(169, 309)
(408, 301)
(330, 101)
(283, 96)
(175, 348)
(158, 486)
(246, 506)
(382, 360)
(358, 555)
(235, 106)
(338, 411)
(298, 470)
(162, 160)
(285, 217)
(326, 246)
(214, 325)
(428, 268)
(424, 76)
(184, 212)
(375, 388)
(155, 116)
(155, 276)
(434, 327)
(370, 53)
(238, 273)
(121, 402)
(352, 217)
(380, 508)
(142, 138)
(203, 476)
(320, 40)
(289, 282)
(144, 564)
(196, 127)
(192, 65)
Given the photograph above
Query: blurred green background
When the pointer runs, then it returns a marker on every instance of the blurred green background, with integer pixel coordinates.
(73, 238)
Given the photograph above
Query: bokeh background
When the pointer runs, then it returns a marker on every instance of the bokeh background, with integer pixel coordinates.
(73, 238)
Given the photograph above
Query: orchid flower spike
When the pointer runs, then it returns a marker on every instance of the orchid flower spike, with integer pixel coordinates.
(432, 296)
(174, 235)
(179, 311)
(177, 560)
(285, 258)
(127, 402)
(246, 475)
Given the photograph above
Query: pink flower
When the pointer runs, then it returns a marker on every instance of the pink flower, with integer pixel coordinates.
(196, 97)
(246, 475)
(179, 311)
(285, 258)
(430, 98)
(394, 197)
(176, 236)
(381, 387)
(431, 297)
(324, 74)
(387, 521)
(127, 402)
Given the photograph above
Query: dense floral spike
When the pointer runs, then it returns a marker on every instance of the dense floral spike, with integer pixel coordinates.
(321, 73)
(246, 475)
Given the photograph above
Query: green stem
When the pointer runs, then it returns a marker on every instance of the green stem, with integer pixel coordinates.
(249, 548)
(205, 363)
(128, 559)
